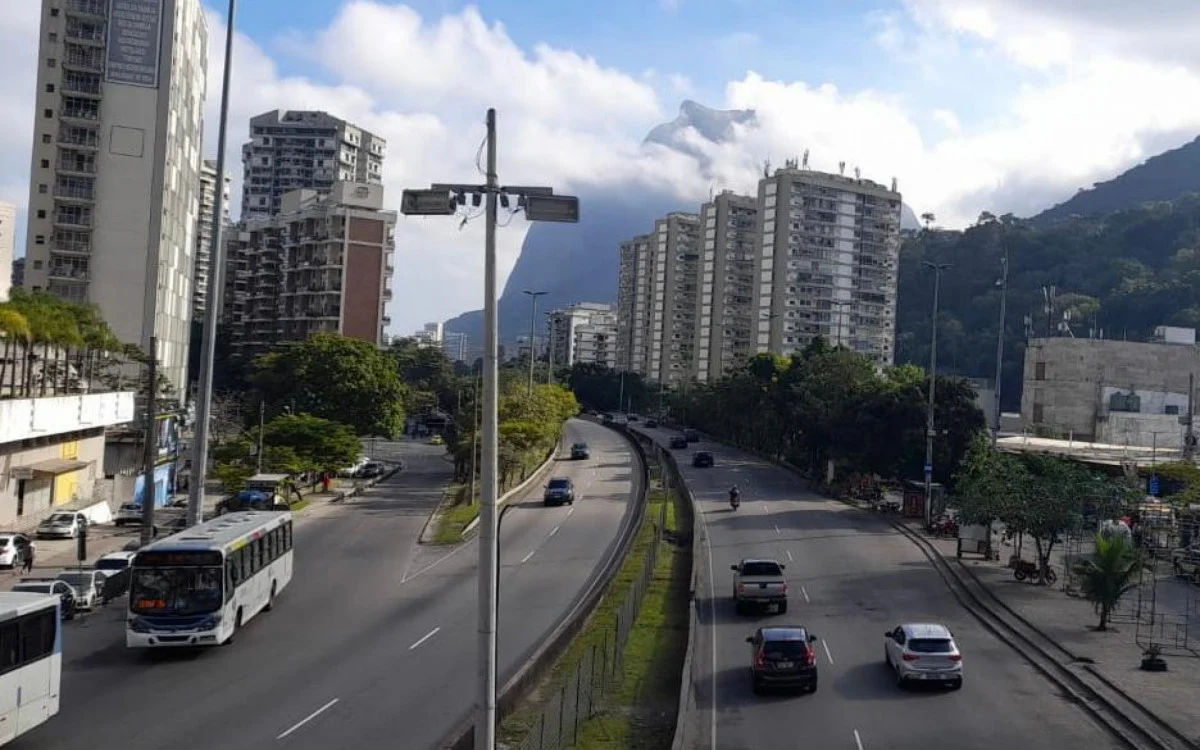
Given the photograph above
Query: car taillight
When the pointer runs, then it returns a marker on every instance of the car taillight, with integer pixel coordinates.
(785, 588)
(911, 657)
(760, 661)
(810, 657)
(741, 588)
(955, 657)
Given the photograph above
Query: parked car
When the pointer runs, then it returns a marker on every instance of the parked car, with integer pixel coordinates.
(128, 513)
(580, 452)
(115, 566)
(13, 548)
(88, 585)
(437, 440)
(633, 418)
(702, 460)
(651, 424)
(51, 586)
(783, 657)
(371, 470)
(559, 490)
(923, 652)
(678, 442)
(691, 436)
(63, 524)
(759, 583)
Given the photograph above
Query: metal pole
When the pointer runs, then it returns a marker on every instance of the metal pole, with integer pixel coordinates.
(532, 334)
(262, 413)
(150, 444)
(550, 354)
(929, 423)
(621, 393)
(1189, 439)
(215, 287)
(476, 411)
(1000, 340)
(485, 724)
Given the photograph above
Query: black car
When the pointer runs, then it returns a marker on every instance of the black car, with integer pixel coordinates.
(559, 490)
(702, 460)
(678, 442)
(691, 436)
(651, 424)
(783, 657)
(580, 452)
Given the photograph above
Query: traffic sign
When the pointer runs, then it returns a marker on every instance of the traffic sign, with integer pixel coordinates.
(1154, 485)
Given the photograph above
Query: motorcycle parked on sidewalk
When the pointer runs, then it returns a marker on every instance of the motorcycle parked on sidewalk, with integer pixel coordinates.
(1024, 569)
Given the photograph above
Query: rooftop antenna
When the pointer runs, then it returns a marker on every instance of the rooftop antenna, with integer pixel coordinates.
(842, 168)
(894, 184)
(767, 167)
(804, 162)
(857, 173)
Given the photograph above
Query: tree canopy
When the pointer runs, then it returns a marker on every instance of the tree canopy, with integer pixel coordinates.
(293, 444)
(427, 372)
(604, 389)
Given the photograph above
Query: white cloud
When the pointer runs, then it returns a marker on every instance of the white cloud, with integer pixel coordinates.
(947, 120)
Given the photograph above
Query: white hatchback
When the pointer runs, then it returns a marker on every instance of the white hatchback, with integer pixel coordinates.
(923, 652)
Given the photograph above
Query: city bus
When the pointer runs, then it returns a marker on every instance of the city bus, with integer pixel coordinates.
(30, 661)
(198, 587)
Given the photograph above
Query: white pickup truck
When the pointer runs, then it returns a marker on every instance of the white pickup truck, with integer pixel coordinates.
(759, 583)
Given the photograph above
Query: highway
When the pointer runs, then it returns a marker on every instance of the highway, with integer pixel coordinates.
(373, 643)
(851, 578)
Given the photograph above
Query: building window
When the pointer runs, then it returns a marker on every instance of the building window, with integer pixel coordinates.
(49, 88)
(46, 165)
(1038, 416)
(54, 12)
(40, 240)
(52, 37)
(1039, 373)
(41, 214)
(48, 114)
(47, 138)
(43, 189)
(51, 62)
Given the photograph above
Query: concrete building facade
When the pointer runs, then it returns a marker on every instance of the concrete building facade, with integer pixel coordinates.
(431, 334)
(323, 264)
(1113, 392)
(293, 150)
(674, 315)
(584, 333)
(725, 332)
(205, 228)
(634, 300)
(828, 264)
(8, 248)
(115, 165)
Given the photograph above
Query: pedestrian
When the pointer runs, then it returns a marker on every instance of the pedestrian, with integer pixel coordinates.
(325, 481)
(27, 565)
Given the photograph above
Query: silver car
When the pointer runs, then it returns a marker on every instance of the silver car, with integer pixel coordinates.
(923, 652)
(63, 524)
(88, 585)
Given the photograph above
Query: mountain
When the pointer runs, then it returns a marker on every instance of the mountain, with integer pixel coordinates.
(579, 263)
(1160, 178)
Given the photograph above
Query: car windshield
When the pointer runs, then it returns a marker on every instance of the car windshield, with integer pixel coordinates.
(761, 569)
(176, 591)
(77, 580)
(36, 588)
(4, 540)
(930, 646)
(130, 507)
(60, 518)
(784, 649)
(559, 484)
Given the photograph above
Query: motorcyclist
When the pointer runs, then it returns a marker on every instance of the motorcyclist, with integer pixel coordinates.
(734, 496)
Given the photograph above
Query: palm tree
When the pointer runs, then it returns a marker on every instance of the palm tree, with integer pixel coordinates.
(14, 329)
(1111, 573)
(61, 329)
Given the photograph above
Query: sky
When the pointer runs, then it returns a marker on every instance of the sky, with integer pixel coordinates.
(971, 105)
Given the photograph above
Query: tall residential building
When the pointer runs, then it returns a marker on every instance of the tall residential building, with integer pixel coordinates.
(725, 329)
(204, 233)
(115, 165)
(292, 150)
(18, 273)
(8, 218)
(674, 315)
(634, 301)
(322, 264)
(431, 334)
(584, 333)
(455, 346)
(830, 249)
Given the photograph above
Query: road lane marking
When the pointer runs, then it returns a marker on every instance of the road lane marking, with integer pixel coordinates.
(828, 655)
(525, 559)
(309, 718)
(424, 638)
(777, 531)
(790, 558)
(858, 740)
(570, 510)
(804, 591)
(553, 531)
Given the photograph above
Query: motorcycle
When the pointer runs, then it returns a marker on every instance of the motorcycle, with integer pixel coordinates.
(735, 501)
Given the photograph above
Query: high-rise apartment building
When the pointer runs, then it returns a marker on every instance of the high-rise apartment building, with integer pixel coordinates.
(830, 246)
(430, 335)
(675, 293)
(455, 346)
(584, 333)
(205, 229)
(322, 264)
(634, 300)
(115, 165)
(8, 218)
(293, 150)
(725, 328)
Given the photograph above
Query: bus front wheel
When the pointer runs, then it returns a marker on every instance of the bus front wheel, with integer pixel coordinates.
(270, 599)
(237, 625)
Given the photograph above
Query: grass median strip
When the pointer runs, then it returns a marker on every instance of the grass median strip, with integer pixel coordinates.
(457, 512)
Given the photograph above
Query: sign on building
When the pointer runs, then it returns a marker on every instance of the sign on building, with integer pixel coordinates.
(134, 35)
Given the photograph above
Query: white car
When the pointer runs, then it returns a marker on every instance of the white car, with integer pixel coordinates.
(88, 585)
(13, 548)
(66, 524)
(923, 652)
(128, 513)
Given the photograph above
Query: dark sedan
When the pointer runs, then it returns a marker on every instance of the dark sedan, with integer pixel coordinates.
(783, 657)
(702, 460)
(679, 442)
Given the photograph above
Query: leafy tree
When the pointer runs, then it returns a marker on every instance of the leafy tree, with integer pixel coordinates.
(601, 388)
(294, 443)
(232, 477)
(1110, 573)
(428, 373)
(335, 378)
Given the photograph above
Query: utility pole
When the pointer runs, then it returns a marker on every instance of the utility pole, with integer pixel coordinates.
(550, 352)
(621, 392)
(1000, 337)
(1189, 438)
(476, 413)
(930, 431)
(150, 444)
(208, 341)
(262, 413)
(533, 297)
(538, 204)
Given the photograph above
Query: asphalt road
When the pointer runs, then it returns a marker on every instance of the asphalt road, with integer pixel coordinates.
(373, 643)
(851, 578)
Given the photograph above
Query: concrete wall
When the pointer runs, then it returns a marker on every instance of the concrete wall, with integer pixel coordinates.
(29, 418)
(43, 492)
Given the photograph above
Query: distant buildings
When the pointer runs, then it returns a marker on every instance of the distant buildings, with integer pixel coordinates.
(584, 333)
(455, 346)
(205, 227)
(8, 218)
(813, 254)
(429, 335)
(115, 165)
(18, 272)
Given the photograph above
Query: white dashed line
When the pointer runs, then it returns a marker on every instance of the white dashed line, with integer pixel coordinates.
(553, 531)
(424, 638)
(790, 558)
(309, 718)
(764, 505)
(828, 655)
(804, 591)
(570, 510)
(858, 740)
(777, 531)
(525, 559)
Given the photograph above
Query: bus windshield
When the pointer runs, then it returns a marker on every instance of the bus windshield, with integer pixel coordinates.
(176, 591)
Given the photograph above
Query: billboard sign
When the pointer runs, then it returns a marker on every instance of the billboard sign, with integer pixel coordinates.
(134, 34)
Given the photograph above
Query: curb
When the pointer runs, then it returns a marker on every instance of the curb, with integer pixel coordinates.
(426, 536)
(529, 480)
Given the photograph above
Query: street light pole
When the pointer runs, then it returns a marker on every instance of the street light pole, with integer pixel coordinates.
(1000, 337)
(930, 431)
(262, 414)
(533, 297)
(550, 352)
(208, 341)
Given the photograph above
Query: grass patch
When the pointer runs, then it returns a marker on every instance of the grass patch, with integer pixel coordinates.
(639, 704)
(300, 504)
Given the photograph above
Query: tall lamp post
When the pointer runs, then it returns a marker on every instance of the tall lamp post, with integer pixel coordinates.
(533, 298)
(930, 431)
(538, 204)
(1000, 336)
(550, 352)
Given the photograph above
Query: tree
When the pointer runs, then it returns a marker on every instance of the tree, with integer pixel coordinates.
(294, 443)
(336, 378)
(605, 389)
(57, 343)
(1111, 572)
(427, 372)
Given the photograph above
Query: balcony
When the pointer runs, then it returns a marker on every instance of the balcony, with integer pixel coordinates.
(65, 247)
(79, 137)
(86, 84)
(68, 273)
(89, 8)
(70, 110)
(87, 32)
(73, 219)
(76, 164)
(75, 193)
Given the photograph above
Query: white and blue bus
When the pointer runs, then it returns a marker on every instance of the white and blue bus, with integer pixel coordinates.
(198, 587)
(30, 661)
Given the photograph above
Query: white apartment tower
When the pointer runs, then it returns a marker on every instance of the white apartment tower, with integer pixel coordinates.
(725, 329)
(633, 305)
(830, 246)
(8, 217)
(205, 227)
(115, 165)
(584, 333)
(293, 150)
(675, 294)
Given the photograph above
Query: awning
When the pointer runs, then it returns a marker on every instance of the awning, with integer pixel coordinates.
(56, 466)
